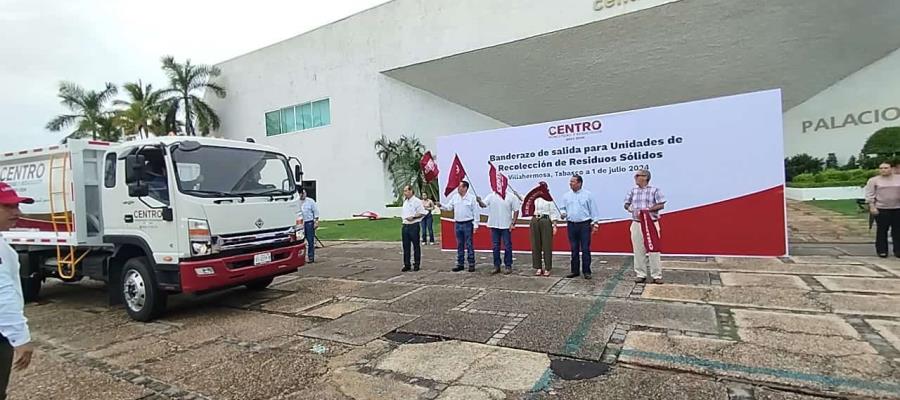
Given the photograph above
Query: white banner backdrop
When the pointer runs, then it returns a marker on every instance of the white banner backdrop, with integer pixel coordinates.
(700, 153)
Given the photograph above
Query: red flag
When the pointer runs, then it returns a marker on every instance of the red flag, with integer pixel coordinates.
(429, 167)
(499, 183)
(649, 232)
(541, 191)
(457, 173)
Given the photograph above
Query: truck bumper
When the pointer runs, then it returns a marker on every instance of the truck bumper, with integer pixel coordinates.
(239, 269)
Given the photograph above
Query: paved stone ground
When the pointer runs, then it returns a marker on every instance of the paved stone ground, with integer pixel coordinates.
(352, 326)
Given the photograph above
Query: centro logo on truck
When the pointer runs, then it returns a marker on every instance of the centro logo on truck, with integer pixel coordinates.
(574, 129)
(22, 172)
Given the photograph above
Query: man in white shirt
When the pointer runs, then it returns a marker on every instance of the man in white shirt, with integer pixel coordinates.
(309, 210)
(15, 340)
(502, 216)
(412, 214)
(465, 209)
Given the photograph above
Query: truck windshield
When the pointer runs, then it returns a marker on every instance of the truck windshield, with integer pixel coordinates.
(212, 171)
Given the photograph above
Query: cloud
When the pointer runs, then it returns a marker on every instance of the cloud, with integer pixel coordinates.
(90, 42)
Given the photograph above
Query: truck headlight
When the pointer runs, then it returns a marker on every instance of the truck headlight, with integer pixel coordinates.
(199, 237)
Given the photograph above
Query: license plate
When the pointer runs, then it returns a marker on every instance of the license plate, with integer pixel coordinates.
(262, 258)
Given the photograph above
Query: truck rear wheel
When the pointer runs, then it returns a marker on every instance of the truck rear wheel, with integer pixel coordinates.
(31, 288)
(144, 300)
(260, 284)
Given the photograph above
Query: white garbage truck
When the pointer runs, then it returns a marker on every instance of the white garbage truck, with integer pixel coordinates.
(156, 217)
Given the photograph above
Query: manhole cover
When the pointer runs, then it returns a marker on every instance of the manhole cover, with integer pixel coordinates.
(574, 370)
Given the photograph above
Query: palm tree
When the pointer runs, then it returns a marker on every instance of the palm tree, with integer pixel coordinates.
(89, 113)
(401, 159)
(143, 113)
(184, 80)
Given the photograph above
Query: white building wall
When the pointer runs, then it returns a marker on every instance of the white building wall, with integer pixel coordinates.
(343, 62)
(873, 88)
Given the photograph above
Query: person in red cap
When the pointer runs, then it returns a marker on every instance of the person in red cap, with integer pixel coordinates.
(15, 340)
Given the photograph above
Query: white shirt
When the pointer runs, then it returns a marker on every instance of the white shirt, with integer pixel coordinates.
(500, 211)
(411, 207)
(544, 207)
(13, 324)
(464, 208)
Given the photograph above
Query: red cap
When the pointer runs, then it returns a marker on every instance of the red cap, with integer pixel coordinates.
(8, 196)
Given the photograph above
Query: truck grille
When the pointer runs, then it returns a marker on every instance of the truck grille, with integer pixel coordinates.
(237, 241)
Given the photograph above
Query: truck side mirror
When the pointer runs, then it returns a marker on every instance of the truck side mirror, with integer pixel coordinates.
(134, 169)
(298, 175)
(138, 189)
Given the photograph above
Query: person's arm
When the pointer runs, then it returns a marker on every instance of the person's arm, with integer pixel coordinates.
(315, 210)
(562, 207)
(660, 202)
(451, 203)
(484, 203)
(628, 201)
(420, 210)
(14, 325)
(595, 213)
(870, 196)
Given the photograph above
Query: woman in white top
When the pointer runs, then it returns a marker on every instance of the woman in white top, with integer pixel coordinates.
(543, 228)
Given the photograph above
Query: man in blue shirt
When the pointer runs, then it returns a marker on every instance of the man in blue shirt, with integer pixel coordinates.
(310, 212)
(15, 340)
(582, 214)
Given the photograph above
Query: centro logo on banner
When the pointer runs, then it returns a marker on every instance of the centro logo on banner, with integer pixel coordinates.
(574, 129)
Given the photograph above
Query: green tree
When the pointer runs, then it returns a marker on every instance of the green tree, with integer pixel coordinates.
(89, 112)
(883, 145)
(851, 163)
(800, 164)
(401, 158)
(831, 161)
(143, 113)
(185, 79)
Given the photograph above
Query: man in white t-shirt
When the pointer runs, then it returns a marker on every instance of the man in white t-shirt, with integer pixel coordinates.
(15, 340)
(502, 216)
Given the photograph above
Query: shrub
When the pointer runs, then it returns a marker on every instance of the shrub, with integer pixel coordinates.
(801, 163)
(833, 178)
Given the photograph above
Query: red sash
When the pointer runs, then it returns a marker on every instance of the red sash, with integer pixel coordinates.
(649, 232)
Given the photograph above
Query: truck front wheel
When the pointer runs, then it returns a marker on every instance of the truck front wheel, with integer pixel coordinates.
(144, 300)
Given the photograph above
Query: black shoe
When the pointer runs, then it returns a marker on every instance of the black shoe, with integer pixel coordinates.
(416, 268)
(640, 280)
(495, 271)
(587, 276)
(573, 275)
(882, 255)
(472, 268)
(458, 268)
(405, 269)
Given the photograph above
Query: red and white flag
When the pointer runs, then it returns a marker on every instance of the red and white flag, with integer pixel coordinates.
(429, 167)
(649, 232)
(541, 191)
(457, 173)
(499, 183)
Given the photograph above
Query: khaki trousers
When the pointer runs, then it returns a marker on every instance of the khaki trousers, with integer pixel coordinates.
(640, 253)
(541, 243)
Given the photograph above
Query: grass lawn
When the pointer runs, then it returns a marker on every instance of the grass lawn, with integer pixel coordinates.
(387, 229)
(846, 207)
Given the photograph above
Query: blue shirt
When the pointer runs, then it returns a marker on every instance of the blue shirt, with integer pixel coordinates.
(309, 210)
(13, 324)
(580, 206)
